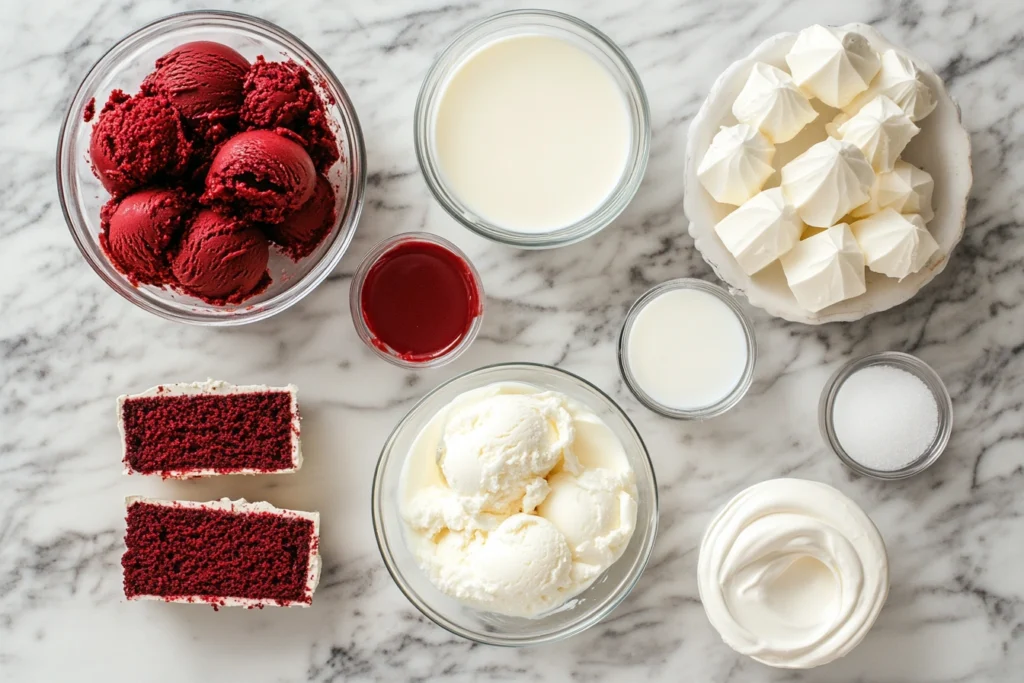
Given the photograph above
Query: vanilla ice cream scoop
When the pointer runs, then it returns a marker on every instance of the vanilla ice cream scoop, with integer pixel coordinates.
(524, 567)
(596, 512)
(497, 451)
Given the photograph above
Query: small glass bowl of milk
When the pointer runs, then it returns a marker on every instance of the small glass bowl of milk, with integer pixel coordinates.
(533, 129)
(687, 350)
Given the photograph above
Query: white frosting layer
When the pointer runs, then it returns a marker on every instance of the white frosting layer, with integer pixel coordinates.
(242, 506)
(827, 181)
(771, 102)
(212, 387)
(881, 130)
(899, 80)
(792, 573)
(737, 164)
(761, 230)
(831, 65)
(894, 244)
(905, 188)
(825, 268)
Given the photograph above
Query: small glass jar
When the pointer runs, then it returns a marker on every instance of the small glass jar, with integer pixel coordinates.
(381, 348)
(901, 361)
(580, 34)
(703, 412)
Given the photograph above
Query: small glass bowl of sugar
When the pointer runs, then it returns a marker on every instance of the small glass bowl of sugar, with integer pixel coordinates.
(887, 416)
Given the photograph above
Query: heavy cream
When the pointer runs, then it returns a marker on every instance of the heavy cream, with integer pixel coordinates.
(792, 573)
(532, 133)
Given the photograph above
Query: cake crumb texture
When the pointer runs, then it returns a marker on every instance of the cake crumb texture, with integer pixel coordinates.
(225, 432)
(212, 554)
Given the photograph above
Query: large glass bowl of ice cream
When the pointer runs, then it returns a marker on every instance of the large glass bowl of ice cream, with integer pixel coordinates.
(289, 277)
(515, 505)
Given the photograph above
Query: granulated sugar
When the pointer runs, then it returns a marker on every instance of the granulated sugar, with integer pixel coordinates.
(885, 417)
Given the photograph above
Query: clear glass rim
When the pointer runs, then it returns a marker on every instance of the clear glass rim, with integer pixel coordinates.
(356, 290)
(613, 601)
(347, 221)
(903, 361)
(453, 56)
(728, 401)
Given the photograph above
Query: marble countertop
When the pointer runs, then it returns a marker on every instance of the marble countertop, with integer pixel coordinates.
(69, 345)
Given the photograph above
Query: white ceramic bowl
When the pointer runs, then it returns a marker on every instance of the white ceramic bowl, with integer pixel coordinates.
(942, 148)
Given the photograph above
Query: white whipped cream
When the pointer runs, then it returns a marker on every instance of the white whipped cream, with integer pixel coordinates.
(516, 499)
(242, 506)
(894, 244)
(771, 102)
(833, 66)
(901, 81)
(825, 268)
(881, 130)
(737, 164)
(792, 573)
(905, 188)
(761, 230)
(827, 181)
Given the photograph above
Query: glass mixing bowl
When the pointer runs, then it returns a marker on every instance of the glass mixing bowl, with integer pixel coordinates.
(580, 612)
(124, 66)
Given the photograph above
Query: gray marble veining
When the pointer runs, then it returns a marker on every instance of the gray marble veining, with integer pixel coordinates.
(69, 346)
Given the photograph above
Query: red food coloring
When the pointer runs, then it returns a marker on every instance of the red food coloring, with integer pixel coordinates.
(226, 433)
(90, 110)
(419, 301)
(209, 555)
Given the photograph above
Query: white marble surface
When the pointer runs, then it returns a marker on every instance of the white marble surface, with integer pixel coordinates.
(69, 346)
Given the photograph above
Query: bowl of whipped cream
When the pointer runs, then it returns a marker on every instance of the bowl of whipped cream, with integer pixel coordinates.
(515, 505)
(792, 573)
(827, 175)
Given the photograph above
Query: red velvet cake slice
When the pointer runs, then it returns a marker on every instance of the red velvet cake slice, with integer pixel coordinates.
(221, 553)
(180, 431)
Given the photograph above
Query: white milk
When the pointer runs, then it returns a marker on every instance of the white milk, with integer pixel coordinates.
(687, 349)
(532, 133)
